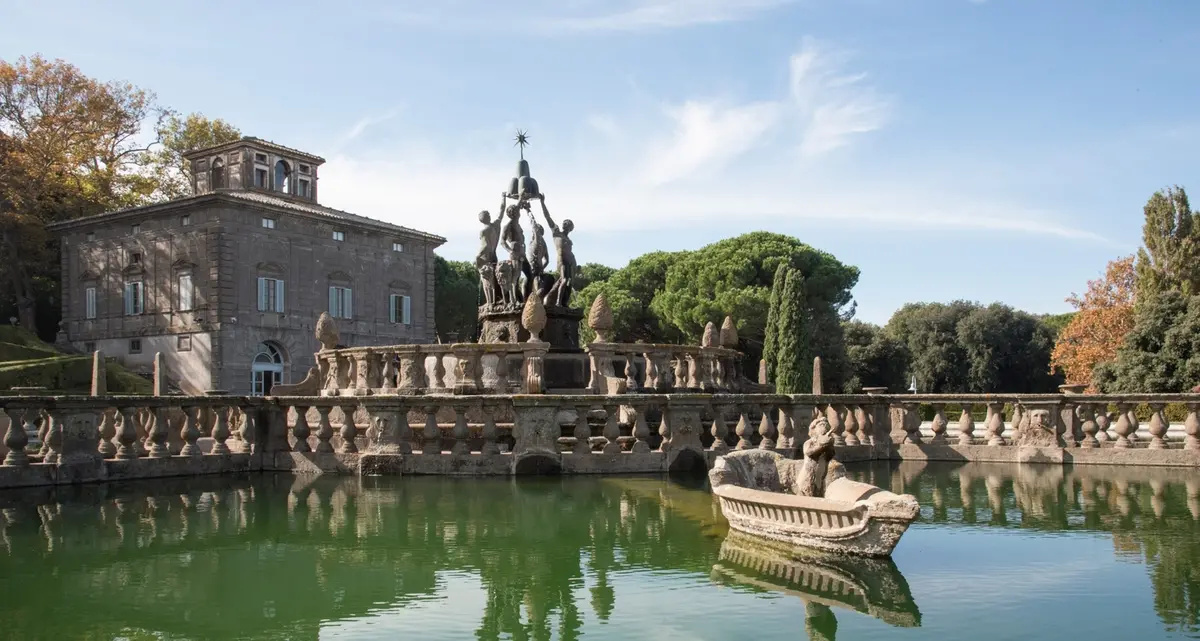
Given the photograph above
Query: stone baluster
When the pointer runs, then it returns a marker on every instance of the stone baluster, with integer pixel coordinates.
(301, 430)
(127, 434)
(631, 384)
(1126, 425)
(246, 429)
(502, 374)
(766, 429)
(43, 429)
(1103, 422)
(665, 428)
(157, 433)
(324, 429)
(333, 373)
(349, 431)
(361, 370)
(641, 430)
(695, 380)
(864, 417)
(439, 372)
(801, 417)
(743, 429)
(719, 430)
(681, 372)
(1158, 427)
(461, 432)
(466, 370)
(582, 432)
(431, 434)
(1191, 428)
(651, 380)
(1069, 413)
(786, 426)
(833, 414)
(612, 430)
(939, 424)
(1087, 414)
(189, 433)
(108, 429)
(851, 425)
(411, 372)
(387, 372)
(995, 423)
(15, 439)
(220, 432)
(910, 416)
(966, 425)
(490, 434)
(534, 367)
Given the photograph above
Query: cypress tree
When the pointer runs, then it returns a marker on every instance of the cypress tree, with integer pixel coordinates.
(793, 351)
(771, 337)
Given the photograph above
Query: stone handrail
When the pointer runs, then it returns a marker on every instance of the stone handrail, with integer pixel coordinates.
(107, 437)
(459, 368)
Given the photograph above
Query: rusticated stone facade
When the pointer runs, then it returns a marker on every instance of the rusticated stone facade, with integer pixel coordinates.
(263, 260)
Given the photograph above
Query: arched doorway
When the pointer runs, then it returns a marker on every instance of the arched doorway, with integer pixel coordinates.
(267, 368)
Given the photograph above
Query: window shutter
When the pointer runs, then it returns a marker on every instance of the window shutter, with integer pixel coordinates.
(185, 292)
(128, 299)
(90, 302)
(333, 302)
(348, 312)
(279, 296)
(262, 294)
(392, 308)
(139, 298)
(406, 301)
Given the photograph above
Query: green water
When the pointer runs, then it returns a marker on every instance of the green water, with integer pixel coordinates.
(1000, 553)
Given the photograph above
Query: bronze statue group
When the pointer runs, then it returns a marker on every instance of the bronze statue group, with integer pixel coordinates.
(507, 284)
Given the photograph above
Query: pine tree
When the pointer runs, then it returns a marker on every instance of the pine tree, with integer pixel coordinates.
(793, 350)
(771, 337)
(1171, 256)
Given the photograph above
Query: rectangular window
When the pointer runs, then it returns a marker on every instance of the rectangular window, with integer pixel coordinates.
(397, 247)
(135, 258)
(260, 177)
(185, 292)
(135, 298)
(91, 235)
(400, 308)
(135, 346)
(341, 302)
(185, 220)
(339, 236)
(270, 295)
(136, 229)
(183, 343)
(89, 346)
(268, 223)
(260, 158)
(303, 190)
(89, 297)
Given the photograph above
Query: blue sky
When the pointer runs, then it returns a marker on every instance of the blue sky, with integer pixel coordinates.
(996, 150)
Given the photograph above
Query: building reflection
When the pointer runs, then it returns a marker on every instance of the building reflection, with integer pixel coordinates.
(274, 557)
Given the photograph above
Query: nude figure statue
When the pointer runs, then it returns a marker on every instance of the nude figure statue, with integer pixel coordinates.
(513, 239)
(539, 259)
(485, 260)
(560, 294)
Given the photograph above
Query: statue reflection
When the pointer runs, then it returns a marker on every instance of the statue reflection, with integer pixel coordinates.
(873, 587)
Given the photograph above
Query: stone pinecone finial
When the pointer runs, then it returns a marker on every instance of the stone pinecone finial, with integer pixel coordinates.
(709, 339)
(533, 317)
(600, 319)
(729, 336)
(326, 331)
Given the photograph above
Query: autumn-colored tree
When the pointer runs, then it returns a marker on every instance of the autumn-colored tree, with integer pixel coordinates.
(1104, 317)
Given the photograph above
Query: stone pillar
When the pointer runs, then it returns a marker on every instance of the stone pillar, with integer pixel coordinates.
(160, 375)
(99, 374)
(600, 357)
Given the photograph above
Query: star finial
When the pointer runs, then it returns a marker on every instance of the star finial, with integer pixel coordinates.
(521, 139)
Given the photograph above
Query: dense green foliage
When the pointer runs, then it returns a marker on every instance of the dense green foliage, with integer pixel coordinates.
(589, 273)
(966, 347)
(1170, 256)
(1057, 322)
(771, 331)
(1162, 351)
(456, 299)
(877, 359)
(793, 355)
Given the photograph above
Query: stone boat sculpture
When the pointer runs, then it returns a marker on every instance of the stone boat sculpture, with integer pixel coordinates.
(809, 502)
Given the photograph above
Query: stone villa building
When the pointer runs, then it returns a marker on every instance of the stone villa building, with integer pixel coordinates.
(228, 283)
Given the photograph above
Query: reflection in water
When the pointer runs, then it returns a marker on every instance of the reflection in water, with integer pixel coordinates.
(275, 557)
(873, 587)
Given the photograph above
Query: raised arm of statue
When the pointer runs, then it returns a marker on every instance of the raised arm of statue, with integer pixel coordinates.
(546, 213)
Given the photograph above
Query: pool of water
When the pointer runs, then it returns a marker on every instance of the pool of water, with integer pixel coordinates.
(1000, 552)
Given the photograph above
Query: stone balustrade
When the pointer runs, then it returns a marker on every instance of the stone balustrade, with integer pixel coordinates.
(459, 368)
(116, 437)
(663, 368)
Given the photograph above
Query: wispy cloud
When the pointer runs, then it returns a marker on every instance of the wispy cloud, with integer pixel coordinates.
(706, 136)
(833, 105)
(358, 128)
(664, 14)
